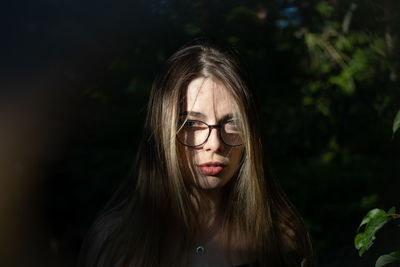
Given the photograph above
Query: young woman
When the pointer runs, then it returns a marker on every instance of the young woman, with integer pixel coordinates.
(199, 194)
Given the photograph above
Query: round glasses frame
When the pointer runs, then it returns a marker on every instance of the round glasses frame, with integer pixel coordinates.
(210, 127)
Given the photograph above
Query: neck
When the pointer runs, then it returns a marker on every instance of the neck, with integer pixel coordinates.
(210, 211)
(209, 217)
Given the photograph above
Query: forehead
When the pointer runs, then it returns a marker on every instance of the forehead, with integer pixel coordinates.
(209, 97)
(207, 92)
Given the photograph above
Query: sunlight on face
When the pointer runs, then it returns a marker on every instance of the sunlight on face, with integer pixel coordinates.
(212, 164)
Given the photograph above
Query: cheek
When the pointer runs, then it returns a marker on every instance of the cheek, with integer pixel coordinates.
(235, 160)
(236, 156)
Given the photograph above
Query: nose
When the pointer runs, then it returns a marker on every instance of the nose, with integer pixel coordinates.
(213, 142)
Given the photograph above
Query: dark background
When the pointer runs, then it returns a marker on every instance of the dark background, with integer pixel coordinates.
(75, 78)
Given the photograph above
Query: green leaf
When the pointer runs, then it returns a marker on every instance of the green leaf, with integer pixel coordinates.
(373, 221)
(392, 210)
(362, 243)
(324, 8)
(396, 123)
(191, 29)
(372, 215)
(388, 258)
(368, 201)
(241, 11)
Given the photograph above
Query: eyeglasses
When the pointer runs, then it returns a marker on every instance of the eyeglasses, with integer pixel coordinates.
(195, 133)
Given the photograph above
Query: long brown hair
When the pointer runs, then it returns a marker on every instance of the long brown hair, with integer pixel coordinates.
(155, 203)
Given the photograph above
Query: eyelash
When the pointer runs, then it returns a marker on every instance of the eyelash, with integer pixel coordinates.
(191, 122)
(187, 122)
(232, 121)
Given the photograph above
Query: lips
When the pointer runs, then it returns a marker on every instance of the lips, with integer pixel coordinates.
(211, 168)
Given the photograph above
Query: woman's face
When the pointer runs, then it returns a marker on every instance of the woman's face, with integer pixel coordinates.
(212, 164)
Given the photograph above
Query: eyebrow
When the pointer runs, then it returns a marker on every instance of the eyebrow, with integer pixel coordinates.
(193, 113)
(227, 117)
(201, 115)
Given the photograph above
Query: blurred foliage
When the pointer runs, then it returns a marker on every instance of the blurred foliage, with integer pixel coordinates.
(326, 80)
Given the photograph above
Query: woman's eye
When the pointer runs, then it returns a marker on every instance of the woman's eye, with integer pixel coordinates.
(231, 123)
(190, 123)
(231, 126)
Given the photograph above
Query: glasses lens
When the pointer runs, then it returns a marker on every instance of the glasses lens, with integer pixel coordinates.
(193, 133)
(230, 133)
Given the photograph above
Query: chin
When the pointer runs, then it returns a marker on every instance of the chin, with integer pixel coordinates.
(210, 183)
